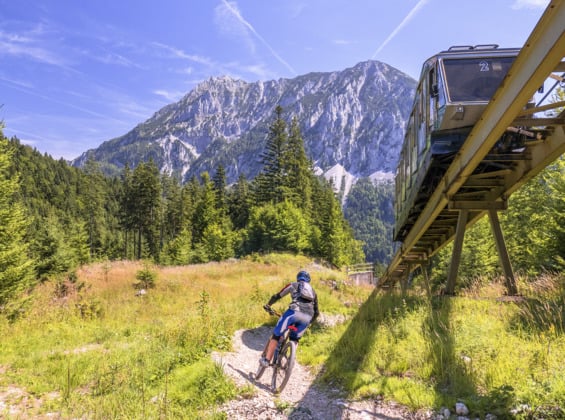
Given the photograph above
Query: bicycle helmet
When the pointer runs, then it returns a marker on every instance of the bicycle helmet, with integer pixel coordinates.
(303, 276)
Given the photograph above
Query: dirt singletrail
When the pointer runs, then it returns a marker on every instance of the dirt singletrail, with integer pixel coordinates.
(301, 399)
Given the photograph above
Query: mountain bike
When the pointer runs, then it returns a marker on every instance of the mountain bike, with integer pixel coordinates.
(283, 359)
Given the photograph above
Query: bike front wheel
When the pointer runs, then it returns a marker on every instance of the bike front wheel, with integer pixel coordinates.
(283, 366)
(260, 371)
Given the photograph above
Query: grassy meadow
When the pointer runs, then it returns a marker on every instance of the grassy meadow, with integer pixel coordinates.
(88, 346)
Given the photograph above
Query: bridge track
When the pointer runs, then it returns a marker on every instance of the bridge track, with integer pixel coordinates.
(467, 186)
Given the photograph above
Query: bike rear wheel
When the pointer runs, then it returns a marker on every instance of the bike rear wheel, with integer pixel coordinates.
(283, 366)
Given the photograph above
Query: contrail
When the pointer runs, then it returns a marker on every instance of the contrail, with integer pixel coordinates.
(407, 19)
(240, 18)
(32, 92)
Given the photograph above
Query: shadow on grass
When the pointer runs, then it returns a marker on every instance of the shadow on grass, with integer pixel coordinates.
(449, 373)
(452, 373)
(347, 359)
(343, 372)
(451, 377)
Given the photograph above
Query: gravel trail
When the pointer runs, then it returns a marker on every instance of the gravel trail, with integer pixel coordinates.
(301, 399)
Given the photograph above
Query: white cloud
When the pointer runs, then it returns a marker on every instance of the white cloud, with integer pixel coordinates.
(530, 4)
(24, 45)
(20, 83)
(113, 58)
(178, 53)
(171, 96)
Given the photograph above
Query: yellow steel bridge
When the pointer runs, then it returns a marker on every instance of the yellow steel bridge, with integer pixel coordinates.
(464, 195)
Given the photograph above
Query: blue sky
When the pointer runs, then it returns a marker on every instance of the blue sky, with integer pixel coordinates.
(74, 74)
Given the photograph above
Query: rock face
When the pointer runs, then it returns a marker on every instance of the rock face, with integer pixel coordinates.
(353, 120)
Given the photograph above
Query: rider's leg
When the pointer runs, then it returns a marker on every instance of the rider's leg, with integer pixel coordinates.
(271, 347)
(282, 324)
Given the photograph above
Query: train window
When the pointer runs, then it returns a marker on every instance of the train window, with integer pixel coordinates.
(414, 147)
(421, 129)
(475, 79)
(433, 96)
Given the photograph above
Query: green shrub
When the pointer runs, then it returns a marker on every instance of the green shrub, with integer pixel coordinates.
(146, 277)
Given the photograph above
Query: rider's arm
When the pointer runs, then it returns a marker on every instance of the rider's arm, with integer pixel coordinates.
(273, 299)
(316, 310)
(283, 292)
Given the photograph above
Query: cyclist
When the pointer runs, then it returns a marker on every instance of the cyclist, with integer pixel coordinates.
(302, 311)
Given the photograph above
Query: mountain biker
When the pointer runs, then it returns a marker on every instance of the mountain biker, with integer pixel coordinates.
(302, 311)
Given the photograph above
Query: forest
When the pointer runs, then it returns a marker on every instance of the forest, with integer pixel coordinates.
(55, 217)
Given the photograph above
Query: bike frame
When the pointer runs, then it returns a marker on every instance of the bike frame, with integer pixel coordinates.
(283, 358)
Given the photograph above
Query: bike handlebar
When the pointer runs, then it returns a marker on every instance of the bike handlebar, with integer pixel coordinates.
(271, 311)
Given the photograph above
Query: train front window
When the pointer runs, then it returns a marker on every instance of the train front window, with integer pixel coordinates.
(475, 79)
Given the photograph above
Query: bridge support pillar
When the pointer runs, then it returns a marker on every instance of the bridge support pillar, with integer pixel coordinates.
(424, 268)
(510, 281)
(504, 259)
(457, 248)
(404, 280)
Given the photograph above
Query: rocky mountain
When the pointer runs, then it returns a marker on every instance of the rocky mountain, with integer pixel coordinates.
(352, 123)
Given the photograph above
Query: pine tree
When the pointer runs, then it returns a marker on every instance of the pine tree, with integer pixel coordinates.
(239, 203)
(92, 202)
(270, 179)
(278, 227)
(172, 203)
(144, 195)
(205, 212)
(297, 170)
(126, 209)
(337, 244)
(219, 182)
(15, 267)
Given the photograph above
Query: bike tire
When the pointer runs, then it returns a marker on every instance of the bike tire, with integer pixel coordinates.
(260, 370)
(283, 367)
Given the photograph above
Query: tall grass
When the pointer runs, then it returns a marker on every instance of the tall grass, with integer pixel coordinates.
(493, 354)
(90, 346)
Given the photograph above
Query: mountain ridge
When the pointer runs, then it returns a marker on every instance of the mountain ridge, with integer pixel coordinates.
(353, 118)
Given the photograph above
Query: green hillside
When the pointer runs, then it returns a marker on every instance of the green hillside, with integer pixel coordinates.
(90, 346)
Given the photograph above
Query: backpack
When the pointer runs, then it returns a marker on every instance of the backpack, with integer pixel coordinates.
(306, 292)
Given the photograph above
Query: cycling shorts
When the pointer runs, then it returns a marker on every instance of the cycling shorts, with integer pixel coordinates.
(299, 319)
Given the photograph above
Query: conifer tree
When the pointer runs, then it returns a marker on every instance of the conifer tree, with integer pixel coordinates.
(126, 211)
(205, 212)
(219, 182)
(144, 203)
(239, 203)
(92, 201)
(337, 244)
(297, 170)
(369, 212)
(15, 266)
(270, 180)
(172, 203)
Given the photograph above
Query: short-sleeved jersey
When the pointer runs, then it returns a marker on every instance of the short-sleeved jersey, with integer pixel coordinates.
(298, 303)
